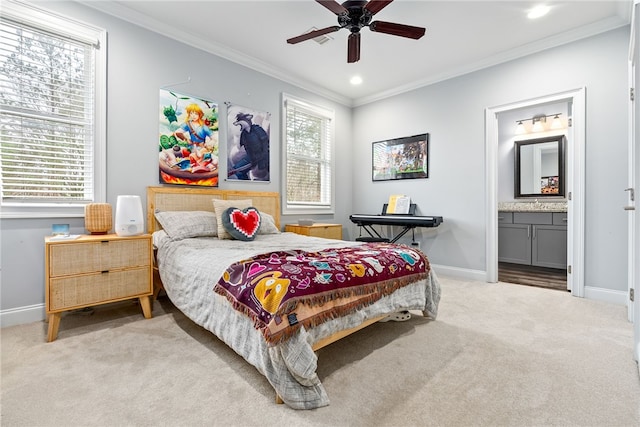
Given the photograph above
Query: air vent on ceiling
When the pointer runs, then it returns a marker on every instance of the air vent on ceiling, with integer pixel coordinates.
(320, 39)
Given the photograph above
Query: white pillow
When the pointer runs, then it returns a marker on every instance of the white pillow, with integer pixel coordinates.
(220, 206)
(185, 224)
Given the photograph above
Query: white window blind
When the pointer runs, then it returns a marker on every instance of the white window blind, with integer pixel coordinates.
(48, 114)
(308, 158)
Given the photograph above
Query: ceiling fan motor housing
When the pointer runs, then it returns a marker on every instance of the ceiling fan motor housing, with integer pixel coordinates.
(356, 17)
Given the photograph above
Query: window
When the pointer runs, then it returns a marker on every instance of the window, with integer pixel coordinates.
(52, 125)
(308, 184)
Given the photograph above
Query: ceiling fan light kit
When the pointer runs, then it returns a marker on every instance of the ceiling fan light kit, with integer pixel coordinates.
(354, 15)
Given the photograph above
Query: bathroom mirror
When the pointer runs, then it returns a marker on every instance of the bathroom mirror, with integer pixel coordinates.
(539, 167)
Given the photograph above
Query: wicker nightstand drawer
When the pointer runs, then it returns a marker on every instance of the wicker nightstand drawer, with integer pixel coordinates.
(96, 270)
(103, 255)
(67, 293)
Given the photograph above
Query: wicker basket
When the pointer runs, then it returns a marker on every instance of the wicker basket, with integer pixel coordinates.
(98, 218)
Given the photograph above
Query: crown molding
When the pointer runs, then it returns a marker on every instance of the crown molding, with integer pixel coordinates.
(519, 52)
(138, 19)
(122, 12)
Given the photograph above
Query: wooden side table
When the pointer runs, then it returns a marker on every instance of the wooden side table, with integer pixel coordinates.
(328, 231)
(96, 269)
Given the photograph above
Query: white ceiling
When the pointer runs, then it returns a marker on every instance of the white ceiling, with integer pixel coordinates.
(462, 36)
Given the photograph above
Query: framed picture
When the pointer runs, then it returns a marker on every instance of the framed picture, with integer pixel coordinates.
(401, 158)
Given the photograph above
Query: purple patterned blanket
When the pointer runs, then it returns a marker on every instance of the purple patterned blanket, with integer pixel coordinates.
(282, 291)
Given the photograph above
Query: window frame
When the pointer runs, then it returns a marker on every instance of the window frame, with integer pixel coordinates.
(290, 208)
(51, 22)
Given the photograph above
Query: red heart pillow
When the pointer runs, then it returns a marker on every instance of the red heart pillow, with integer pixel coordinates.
(241, 224)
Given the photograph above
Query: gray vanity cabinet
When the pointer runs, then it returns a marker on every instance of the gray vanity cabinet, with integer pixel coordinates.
(533, 238)
(514, 243)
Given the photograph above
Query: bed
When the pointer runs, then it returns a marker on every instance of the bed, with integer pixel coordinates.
(207, 276)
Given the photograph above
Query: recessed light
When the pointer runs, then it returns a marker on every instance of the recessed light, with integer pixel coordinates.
(356, 80)
(538, 11)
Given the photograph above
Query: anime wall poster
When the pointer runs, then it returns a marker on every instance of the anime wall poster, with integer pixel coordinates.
(188, 140)
(247, 144)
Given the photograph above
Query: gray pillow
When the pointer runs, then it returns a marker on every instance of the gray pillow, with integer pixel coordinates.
(220, 206)
(267, 224)
(241, 224)
(185, 224)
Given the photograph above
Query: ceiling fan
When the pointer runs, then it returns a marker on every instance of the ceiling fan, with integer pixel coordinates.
(355, 14)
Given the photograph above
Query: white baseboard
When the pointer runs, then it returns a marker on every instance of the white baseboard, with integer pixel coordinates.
(21, 315)
(606, 295)
(36, 312)
(460, 273)
(590, 292)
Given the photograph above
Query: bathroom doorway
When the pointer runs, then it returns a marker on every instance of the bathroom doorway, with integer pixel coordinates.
(575, 161)
(532, 196)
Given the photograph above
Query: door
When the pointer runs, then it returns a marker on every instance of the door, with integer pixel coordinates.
(514, 243)
(549, 246)
(634, 182)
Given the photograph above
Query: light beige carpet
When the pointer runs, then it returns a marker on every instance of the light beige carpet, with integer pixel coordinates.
(498, 355)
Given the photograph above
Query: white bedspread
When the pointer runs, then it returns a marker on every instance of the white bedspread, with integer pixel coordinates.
(190, 268)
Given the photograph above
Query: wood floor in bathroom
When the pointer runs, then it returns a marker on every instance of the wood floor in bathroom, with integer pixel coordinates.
(532, 276)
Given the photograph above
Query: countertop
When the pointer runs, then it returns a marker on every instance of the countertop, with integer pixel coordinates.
(533, 206)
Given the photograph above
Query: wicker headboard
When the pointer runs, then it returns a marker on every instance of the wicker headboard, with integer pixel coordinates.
(201, 199)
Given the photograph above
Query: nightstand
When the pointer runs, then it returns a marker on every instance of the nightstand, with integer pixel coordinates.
(328, 231)
(93, 270)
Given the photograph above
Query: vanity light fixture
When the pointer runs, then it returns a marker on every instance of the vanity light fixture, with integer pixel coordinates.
(538, 123)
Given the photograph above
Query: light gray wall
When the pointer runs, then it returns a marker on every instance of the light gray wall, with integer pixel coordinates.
(453, 113)
(140, 62)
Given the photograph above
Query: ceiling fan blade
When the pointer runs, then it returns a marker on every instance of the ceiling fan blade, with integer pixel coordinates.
(397, 29)
(353, 48)
(313, 34)
(333, 6)
(375, 6)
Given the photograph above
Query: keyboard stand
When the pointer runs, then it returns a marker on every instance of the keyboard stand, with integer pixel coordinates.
(374, 236)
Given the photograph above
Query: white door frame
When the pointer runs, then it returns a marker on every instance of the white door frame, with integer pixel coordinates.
(634, 183)
(575, 177)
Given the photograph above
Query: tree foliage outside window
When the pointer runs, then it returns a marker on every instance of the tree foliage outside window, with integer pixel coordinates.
(308, 150)
(48, 121)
